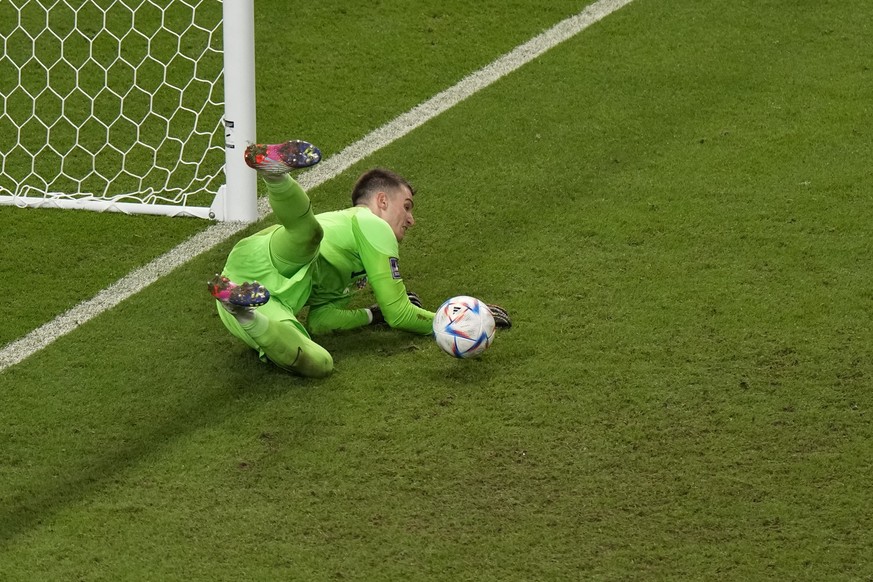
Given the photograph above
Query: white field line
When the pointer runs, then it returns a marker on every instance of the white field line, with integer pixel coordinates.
(139, 279)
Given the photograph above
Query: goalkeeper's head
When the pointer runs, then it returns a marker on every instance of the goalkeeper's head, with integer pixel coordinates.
(389, 196)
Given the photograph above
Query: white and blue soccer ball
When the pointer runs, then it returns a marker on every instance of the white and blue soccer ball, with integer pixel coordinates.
(463, 326)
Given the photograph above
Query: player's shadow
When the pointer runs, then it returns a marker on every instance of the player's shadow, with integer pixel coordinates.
(81, 476)
(379, 341)
(442, 370)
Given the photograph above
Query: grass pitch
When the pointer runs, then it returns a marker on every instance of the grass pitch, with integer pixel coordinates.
(672, 205)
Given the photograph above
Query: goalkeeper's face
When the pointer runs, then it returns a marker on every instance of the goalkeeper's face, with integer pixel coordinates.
(397, 211)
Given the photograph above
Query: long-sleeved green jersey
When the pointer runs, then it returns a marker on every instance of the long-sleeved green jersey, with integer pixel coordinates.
(357, 247)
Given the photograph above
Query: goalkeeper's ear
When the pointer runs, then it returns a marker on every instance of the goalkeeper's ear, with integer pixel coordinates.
(501, 317)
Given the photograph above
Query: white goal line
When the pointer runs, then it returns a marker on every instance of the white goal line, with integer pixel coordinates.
(139, 279)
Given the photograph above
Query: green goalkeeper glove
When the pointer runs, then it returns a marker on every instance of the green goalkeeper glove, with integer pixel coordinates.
(501, 317)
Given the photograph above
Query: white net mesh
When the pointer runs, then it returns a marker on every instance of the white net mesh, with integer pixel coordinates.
(115, 100)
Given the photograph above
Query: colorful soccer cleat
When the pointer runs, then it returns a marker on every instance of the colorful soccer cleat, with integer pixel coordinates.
(278, 159)
(246, 295)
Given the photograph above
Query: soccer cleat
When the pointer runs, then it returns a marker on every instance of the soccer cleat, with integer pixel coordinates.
(246, 295)
(278, 159)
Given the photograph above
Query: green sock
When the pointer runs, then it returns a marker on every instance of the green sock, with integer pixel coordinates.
(288, 200)
(281, 348)
(255, 325)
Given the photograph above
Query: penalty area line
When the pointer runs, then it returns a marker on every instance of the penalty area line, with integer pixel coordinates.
(140, 278)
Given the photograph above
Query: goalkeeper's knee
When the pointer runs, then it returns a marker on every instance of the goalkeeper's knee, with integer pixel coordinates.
(287, 346)
(312, 363)
(303, 357)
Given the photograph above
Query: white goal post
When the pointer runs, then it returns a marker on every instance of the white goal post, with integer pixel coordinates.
(134, 106)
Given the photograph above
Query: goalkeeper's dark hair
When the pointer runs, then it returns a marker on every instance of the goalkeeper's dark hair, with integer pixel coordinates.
(376, 180)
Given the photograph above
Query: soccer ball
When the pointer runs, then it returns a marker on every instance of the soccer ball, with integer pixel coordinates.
(463, 327)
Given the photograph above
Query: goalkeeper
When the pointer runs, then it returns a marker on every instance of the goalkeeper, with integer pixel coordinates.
(319, 261)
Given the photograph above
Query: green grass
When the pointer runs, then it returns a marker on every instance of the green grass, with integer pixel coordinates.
(672, 205)
(66, 257)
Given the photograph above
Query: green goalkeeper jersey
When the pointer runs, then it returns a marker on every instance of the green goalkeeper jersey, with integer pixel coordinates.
(358, 247)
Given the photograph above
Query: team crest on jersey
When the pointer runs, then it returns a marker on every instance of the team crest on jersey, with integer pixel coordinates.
(395, 267)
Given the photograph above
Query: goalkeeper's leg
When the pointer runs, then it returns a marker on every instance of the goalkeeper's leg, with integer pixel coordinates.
(288, 346)
(270, 329)
(296, 243)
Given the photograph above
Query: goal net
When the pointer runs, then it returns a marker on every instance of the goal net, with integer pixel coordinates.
(135, 106)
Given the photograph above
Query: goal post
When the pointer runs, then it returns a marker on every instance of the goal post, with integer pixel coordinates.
(134, 106)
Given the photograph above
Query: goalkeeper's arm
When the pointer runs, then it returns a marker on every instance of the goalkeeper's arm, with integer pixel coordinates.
(330, 317)
(398, 308)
